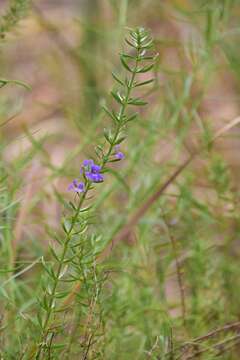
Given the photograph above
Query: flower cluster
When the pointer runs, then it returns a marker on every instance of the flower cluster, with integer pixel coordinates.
(76, 186)
(92, 172)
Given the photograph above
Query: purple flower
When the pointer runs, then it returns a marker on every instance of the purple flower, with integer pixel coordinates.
(88, 162)
(95, 169)
(118, 154)
(92, 171)
(76, 186)
(94, 177)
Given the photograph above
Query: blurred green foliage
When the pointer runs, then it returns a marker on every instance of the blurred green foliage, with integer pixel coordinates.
(130, 306)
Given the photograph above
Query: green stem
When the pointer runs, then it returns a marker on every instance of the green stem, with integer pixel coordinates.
(57, 277)
(74, 219)
(121, 113)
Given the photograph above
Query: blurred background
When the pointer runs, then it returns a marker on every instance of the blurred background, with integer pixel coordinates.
(66, 50)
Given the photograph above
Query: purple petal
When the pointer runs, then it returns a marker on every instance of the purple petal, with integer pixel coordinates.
(80, 187)
(95, 168)
(94, 177)
(88, 175)
(98, 178)
(71, 187)
(119, 155)
(76, 186)
(88, 162)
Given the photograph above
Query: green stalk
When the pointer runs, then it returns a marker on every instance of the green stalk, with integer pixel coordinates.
(121, 113)
(129, 84)
(68, 238)
(57, 277)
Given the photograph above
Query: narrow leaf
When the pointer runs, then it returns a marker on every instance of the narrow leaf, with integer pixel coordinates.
(127, 56)
(108, 135)
(4, 82)
(66, 225)
(143, 58)
(144, 83)
(120, 140)
(125, 64)
(54, 253)
(72, 205)
(134, 45)
(144, 38)
(61, 295)
(145, 69)
(132, 117)
(137, 102)
(133, 35)
(109, 113)
(148, 45)
(117, 97)
(117, 79)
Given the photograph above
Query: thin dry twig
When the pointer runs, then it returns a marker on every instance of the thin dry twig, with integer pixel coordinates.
(23, 211)
(4, 123)
(220, 345)
(226, 128)
(178, 271)
(228, 327)
(154, 347)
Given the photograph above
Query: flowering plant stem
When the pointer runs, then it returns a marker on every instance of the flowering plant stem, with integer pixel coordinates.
(122, 113)
(91, 173)
(49, 313)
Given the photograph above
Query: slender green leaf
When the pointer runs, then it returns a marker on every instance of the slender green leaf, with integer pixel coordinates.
(134, 45)
(124, 63)
(132, 117)
(117, 97)
(144, 83)
(4, 82)
(117, 79)
(137, 102)
(112, 115)
(145, 69)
